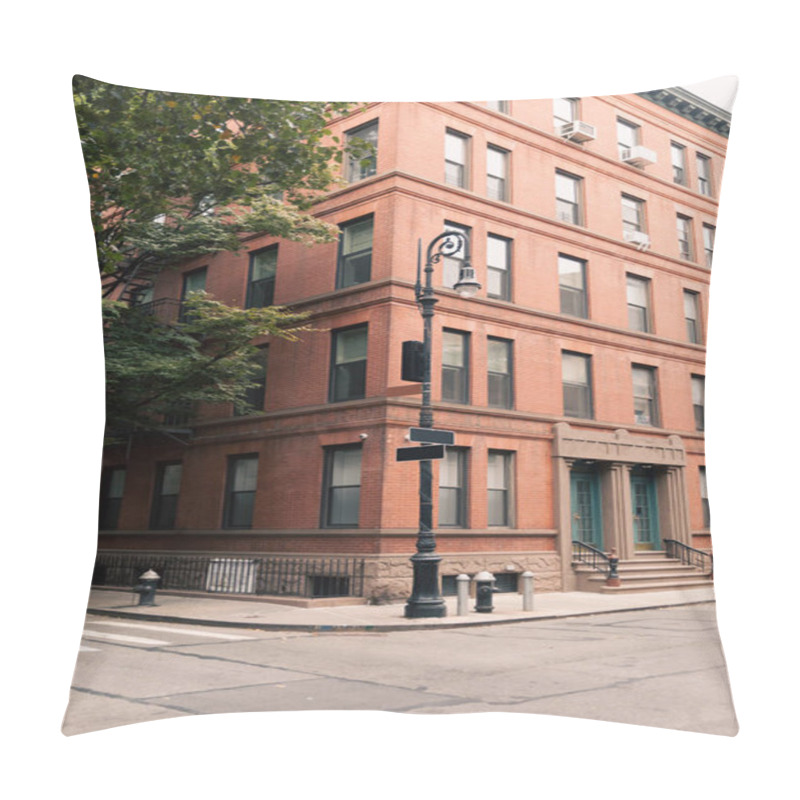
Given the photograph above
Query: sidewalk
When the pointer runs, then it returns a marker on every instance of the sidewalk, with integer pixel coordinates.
(265, 615)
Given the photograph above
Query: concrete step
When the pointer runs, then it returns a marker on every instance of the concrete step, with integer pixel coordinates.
(655, 586)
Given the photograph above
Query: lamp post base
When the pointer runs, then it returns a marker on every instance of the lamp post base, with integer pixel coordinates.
(426, 601)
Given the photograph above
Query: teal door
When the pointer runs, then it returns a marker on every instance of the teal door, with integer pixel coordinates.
(645, 513)
(587, 523)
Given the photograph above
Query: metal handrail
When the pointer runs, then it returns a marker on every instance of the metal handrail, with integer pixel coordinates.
(689, 555)
(591, 556)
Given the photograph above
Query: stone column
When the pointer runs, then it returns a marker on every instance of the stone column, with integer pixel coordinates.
(619, 514)
(563, 512)
(677, 510)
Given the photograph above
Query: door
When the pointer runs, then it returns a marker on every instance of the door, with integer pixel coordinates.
(645, 513)
(585, 502)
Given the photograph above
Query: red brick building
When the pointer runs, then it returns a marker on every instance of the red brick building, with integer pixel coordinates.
(573, 381)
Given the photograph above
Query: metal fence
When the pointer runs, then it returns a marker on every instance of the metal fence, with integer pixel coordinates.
(266, 575)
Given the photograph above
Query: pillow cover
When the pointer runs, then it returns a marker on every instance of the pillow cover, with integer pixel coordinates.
(301, 298)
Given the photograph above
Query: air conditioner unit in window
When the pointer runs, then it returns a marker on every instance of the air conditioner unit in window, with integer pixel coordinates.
(577, 131)
(638, 156)
(639, 238)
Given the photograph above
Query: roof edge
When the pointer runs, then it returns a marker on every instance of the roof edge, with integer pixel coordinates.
(691, 107)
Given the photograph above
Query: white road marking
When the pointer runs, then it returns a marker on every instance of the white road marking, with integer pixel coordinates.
(85, 649)
(231, 636)
(116, 637)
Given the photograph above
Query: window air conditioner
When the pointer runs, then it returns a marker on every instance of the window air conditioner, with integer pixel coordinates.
(638, 156)
(639, 238)
(578, 131)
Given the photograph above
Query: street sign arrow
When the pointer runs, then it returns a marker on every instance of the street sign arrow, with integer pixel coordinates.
(425, 453)
(431, 436)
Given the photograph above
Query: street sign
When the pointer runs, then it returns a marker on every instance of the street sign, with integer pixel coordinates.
(425, 453)
(431, 436)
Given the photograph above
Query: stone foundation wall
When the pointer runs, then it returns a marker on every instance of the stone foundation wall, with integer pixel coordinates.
(388, 578)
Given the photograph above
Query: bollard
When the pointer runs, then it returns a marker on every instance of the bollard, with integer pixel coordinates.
(527, 591)
(147, 588)
(483, 592)
(462, 583)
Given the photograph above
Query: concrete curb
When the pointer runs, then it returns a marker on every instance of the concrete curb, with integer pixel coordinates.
(376, 627)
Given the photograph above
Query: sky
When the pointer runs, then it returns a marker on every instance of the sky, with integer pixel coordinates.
(720, 91)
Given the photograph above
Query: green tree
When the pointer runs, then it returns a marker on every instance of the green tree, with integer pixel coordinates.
(177, 176)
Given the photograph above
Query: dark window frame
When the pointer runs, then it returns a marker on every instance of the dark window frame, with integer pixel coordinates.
(184, 293)
(357, 170)
(464, 371)
(341, 256)
(261, 292)
(162, 511)
(565, 290)
(503, 274)
(506, 379)
(692, 322)
(256, 396)
(462, 170)
(507, 490)
(576, 216)
(328, 504)
(333, 394)
(699, 408)
(233, 496)
(654, 407)
(501, 194)
(685, 228)
(586, 388)
(461, 489)
(109, 506)
(643, 311)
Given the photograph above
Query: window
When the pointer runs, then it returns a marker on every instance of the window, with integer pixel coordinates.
(256, 394)
(709, 232)
(638, 303)
(498, 267)
(500, 374)
(499, 480)
(240, 491)
(645, 406)
(568, 198)
(678, 155)
(627, 136)
(632, 214)
(699, 401)
(691, 308)
(455, 366)
(366, 165)
(704, 175)
(704, 498)
(454, 261)
(456, 154)
(565, 110)
(498, 105)
(112, 487)
(341, 487)
(206, 205)
(261, 287)
(684, 226)
(453, 488)
(355, 253)
(165, 496)
(576, 375)
(496, 173)
(194, 281)
(349, 367)
(572, 286)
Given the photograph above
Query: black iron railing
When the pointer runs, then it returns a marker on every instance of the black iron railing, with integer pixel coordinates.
(165, 310)
(689, 555)
(591, 556)
(259, 575)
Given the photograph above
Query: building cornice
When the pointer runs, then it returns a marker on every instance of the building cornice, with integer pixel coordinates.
(691, 107)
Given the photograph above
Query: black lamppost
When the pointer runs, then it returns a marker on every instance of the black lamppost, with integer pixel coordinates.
(426, 599)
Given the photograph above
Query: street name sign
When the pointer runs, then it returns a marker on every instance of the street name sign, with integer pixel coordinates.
(425, 453)
(431, 436)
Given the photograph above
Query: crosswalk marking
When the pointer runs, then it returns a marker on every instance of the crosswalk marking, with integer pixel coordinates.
(231, 636)
(118, 637)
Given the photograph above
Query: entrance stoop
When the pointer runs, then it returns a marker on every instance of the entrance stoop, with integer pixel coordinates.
(650, 572)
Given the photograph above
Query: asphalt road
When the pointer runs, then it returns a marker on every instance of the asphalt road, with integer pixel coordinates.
(662, 668)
